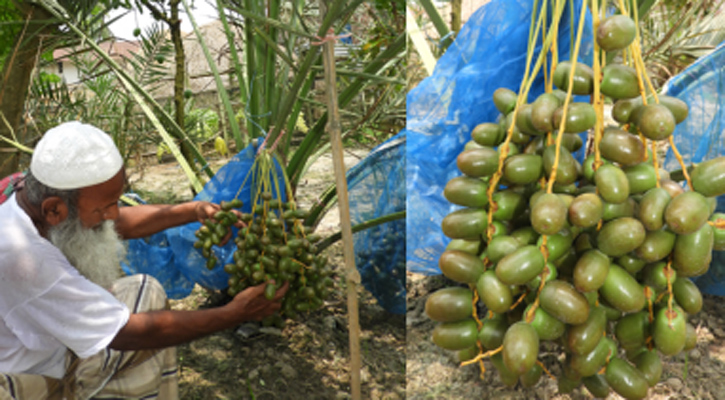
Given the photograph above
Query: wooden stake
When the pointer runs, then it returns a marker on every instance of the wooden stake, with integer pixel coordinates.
(352, 275)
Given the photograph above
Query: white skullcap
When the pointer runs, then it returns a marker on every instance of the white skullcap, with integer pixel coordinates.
(74, 155)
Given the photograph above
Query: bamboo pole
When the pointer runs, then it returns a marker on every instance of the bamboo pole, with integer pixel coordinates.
(352, 275)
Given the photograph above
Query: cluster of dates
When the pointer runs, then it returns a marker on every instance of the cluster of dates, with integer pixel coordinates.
(600, 265)
(273, 247)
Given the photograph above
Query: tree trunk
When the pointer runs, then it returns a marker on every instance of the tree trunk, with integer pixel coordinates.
(456, 6)
(16, 77)
(179, 79)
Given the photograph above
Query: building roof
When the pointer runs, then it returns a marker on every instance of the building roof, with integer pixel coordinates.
(115, 49)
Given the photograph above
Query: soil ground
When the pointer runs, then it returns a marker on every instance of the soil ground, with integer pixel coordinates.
(434, 373)
(310, 357)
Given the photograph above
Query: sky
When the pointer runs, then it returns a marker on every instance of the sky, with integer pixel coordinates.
(124, 27)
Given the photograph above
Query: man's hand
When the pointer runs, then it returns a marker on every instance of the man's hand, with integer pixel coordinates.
(251, 305)
(206, 210)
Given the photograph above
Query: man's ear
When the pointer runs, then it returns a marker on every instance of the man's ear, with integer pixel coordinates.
(54, 210)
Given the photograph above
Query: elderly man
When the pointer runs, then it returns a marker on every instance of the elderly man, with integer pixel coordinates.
(70, 326)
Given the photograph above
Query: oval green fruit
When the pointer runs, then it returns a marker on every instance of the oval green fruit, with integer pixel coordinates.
(687, 295)
(623, 108)
(616, 32)
(619, 81)
(466, 191)
(501, 246)
(495, 294)
(525, 235)
(693, 252)
(718, 232)
(612, 183)
(632, 330)
(479, 162)
(591, 271)
(625, 209)
(450, 304)
(620, 236)
(508, 378)
(583, 338)
(522, 169)
(567, 171)
(520, 266)
(622, 291)
(669, 330)
(524, 123)
(597, 385)
(531, 377)
(641, 177)
(590, 363)
(708, 178)
(542, 110)
(549, 214)
(652, 208)
(656, 245)
(467, 354)
(509, 205)
(621, 147)
(626, 380)
(505, 100)
(520, 348)
(677, 107)
(468, 246)
(583, 78)
(460, 266)
(546, 326)
(649, 363)
(466, 223)
(457, 335)
(488, 134)
(657, 275)
(686, 213)
(586, 210)
(631, 263)
(579, 117)
(492, 332)
(656, 122)
(563, 302)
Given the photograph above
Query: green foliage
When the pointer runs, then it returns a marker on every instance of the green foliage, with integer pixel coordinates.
(201, 124)
(9, 27)
(676, 33)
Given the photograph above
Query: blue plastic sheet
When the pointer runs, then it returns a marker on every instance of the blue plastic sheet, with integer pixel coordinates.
(700, 136)
(489, 53)
(376, 188)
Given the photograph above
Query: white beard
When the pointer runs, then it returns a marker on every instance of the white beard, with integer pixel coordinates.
(95, 252)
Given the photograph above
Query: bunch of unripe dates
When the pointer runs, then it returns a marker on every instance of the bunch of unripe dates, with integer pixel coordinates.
(599, 264)
(273, 247)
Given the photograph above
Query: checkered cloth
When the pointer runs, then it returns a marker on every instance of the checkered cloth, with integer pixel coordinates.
(7, 185)
(110, 374)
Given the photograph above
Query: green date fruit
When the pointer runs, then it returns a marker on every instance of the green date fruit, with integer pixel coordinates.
(626, 380)
(583, 78)
(460, 266)
(619, 81)
(616, 32)
(563, 302)
(520, 348)
(466, 191)
(450, 304)
(496, 295)
(457, 335)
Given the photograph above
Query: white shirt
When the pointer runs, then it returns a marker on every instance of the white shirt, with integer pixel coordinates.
(46, 306)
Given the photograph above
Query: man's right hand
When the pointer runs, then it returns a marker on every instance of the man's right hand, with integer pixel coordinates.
(251, 305)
